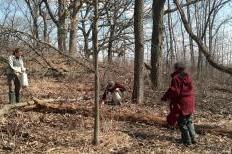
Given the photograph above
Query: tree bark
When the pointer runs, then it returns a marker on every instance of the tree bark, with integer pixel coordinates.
(44, 14)
(75, 7)
(138, 91)
(156, 42)
(62, 32)
(171, 50)
(96, 77)
(192, 59)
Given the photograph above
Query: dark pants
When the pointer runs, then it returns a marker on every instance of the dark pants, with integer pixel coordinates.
(187, 129)
(14, 86)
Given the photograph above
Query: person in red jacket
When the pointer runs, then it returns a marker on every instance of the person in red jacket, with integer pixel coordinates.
(182, 103)
(116, 90)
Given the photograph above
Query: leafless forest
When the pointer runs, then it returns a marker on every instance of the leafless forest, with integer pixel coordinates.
(71, 48)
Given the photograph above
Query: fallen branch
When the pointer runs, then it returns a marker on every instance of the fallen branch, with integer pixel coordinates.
(7, 108)
(87, 110)
(222, 89)
(149, 119)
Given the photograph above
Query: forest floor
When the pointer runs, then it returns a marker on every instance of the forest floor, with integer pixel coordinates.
(49, 132)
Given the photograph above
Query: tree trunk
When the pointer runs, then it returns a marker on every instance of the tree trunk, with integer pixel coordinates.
(171, 50)
(75, 7)
(97, 88)
(44, 14)
(34, 11)
(60, 23)
(73, 36)
(190, 39)
(110, 45)
(183, 42)
(138, 92)
(156, 42)
(86, 46)
(62, 33)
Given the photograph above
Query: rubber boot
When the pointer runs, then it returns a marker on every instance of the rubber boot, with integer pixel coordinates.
(185, 136)
(192, 132)
(17, 97)
(186, 139)
(12, 97)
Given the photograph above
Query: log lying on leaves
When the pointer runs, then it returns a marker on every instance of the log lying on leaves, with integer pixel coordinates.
(7, 108)
(149, 119)
(62, 107)
(28, 105)
(87, 110)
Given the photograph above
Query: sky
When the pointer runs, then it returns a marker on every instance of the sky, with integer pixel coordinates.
(9, 6)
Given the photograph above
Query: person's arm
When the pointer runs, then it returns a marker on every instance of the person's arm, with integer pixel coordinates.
(15, 68)
(104, 95)
(120, 87)
(172, 92)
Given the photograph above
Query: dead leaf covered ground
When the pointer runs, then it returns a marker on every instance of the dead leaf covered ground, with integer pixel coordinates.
(49, 132)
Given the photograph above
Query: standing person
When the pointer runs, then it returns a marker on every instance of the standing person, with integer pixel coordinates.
(116, 90)
(182, 103)
(15, 70)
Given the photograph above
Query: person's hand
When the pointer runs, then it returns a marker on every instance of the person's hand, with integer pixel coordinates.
(17, 73)
(23, 70)
(102, 102)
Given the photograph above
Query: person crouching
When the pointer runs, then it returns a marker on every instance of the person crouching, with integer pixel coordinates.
(116, 90)
(182, 100)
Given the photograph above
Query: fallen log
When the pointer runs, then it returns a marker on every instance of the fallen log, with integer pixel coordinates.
(87, 110)
(7, 108)
(149, 119)
(28, 105)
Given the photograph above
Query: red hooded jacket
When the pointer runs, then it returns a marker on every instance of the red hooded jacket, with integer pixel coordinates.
(181, 96)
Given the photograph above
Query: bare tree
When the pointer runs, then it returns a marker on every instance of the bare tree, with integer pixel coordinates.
(44, 14)
(190, 39)
(33, 6)
(74, 7)
(60, 22)
(97, 88)
(86, 28)
(138, 92)
(156, 42)
(201, 44)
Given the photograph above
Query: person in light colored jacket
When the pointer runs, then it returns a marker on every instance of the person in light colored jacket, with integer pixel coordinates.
(116, 90)
(14, 72)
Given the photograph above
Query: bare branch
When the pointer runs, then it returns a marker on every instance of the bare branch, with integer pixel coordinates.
(201, 45)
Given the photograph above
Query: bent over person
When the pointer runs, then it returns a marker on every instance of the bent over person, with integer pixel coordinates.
(116, 90)
(14, 72)
(182, 103)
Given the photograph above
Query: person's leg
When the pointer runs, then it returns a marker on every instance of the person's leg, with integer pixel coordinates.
(191, 129)
(10, 81)
(185, 136)
(17, 89)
